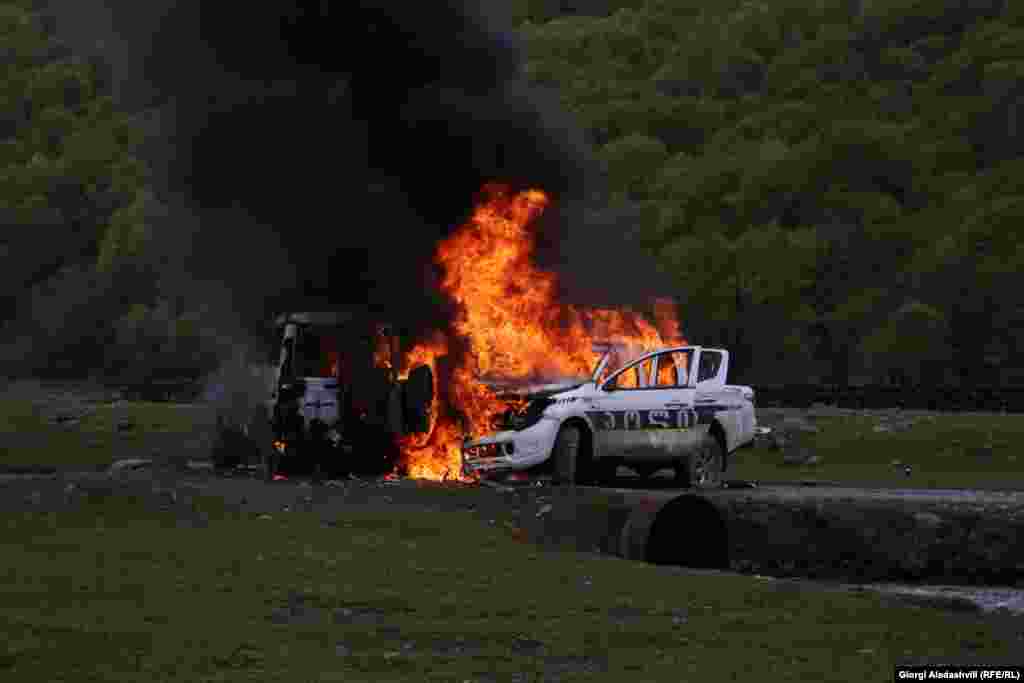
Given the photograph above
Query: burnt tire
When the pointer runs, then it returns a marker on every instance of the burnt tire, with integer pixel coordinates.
(703, 469)
(566, 455)
(232, 446)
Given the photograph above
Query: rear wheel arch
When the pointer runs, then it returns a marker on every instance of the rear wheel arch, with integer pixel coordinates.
(717, 432)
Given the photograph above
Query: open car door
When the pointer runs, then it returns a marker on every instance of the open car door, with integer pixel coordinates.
(417, 397)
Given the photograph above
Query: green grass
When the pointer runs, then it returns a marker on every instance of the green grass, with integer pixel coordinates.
(28, 436)
(951, 450)
(116, 591)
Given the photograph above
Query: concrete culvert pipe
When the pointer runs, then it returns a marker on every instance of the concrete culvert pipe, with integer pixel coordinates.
(686, 531)
(953, 536)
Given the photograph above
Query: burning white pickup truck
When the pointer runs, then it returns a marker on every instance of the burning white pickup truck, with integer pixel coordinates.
(648, 413)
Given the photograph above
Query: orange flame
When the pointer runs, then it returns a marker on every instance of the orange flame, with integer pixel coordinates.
(511, 325)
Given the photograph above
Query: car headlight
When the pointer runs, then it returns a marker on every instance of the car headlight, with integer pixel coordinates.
(532, 415)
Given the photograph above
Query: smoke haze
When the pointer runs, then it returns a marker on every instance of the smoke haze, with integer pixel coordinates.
(322, 149)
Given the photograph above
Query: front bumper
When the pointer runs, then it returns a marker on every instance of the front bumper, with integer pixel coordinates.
(509, 451)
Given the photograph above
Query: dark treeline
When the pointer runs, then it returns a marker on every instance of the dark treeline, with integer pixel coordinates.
(835, 188)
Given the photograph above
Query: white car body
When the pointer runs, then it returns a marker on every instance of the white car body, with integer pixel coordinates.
(660, 421)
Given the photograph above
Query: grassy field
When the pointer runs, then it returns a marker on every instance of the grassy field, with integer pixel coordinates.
(943, 450)
(118, 590)
(29, 434)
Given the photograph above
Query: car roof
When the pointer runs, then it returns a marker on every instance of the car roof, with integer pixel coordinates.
(664, 350)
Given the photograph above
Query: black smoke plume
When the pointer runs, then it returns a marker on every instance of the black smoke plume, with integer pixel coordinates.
(321, 149)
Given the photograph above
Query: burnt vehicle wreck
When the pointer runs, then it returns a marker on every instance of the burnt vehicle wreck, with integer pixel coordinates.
(334, 401)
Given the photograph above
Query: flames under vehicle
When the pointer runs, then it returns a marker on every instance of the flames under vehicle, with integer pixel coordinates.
(335, 402)
(648, 413)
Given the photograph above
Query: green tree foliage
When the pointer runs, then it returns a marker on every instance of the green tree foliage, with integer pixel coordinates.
(820, 165)
(628, 161)
(78, 288)
(65, 166)
(158, 342)
(913, 345)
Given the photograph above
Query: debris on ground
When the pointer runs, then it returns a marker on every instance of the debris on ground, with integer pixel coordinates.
(739, 484)
(791, 438)
(130, 465)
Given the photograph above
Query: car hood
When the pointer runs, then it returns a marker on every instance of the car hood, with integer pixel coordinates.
(554, 390)
(530, 391)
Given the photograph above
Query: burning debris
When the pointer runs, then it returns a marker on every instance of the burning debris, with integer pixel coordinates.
(509, 327)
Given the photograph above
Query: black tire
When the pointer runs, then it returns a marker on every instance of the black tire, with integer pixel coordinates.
(231, 447)
(566, 455)
(704, 468)
(375, 451)
(241, 444)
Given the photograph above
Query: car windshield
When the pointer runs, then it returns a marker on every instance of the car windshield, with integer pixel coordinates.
(317, 355)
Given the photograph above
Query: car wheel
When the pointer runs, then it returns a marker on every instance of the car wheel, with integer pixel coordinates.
(233, 445)
(566, 450)
(703, 469)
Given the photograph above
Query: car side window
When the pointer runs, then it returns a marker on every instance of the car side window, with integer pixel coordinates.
(672, 369)
(627, 379)
(668, 373)
(634, 377)
(644, 370)
(710, 362)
